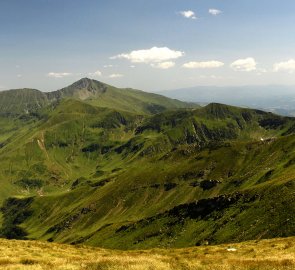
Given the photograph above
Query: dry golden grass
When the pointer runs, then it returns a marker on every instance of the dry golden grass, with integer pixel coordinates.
(275, 254)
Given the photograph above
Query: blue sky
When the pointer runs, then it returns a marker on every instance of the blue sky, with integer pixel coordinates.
(146, 44)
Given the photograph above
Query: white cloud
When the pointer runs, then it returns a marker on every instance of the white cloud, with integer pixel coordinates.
(113, 76)
(19, 75)
(214, 11)
(132, 66)
(288, 66)
(108, 66)
(95, 74)
(247, 64)
(188, 14)
(163, 65)
(206, 64)
(58, 75)
(152, 55)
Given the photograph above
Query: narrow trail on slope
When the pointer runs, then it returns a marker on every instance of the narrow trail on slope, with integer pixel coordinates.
(41, 144)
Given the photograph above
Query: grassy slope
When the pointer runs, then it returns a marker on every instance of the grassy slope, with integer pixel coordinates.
(276, 254)
(117, 179)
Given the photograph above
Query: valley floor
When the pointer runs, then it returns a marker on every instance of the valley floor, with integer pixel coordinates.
(274, 254)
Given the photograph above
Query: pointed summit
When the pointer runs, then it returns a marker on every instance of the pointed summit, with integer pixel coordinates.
(83, 89)
(82, 83)
(85, 83)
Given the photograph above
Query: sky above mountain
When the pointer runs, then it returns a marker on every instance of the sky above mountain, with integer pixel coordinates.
(146, 44)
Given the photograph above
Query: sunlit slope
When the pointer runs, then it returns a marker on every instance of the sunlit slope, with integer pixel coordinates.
(75, 138)
(112, 178)
(153, 202)
(58, 145)
(277, 254)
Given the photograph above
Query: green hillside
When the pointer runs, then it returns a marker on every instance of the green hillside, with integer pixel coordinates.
(125, 169)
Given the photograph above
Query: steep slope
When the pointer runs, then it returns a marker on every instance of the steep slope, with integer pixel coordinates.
(31, 101)
(112, 178)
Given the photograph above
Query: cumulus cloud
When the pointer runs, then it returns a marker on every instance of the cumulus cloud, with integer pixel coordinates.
(95, 74)
(108, 66)
(288, 66)
(164, 65)
(214, 11)
(58, 75)
(206, 64)
(116, 75)
(189, 14)
(247, 64)
(152, 55)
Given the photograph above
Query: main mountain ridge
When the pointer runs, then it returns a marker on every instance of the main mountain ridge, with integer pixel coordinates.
(20, 101)
(121, 168)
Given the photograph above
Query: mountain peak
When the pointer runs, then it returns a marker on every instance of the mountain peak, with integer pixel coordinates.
(85, 83)
(83, 89)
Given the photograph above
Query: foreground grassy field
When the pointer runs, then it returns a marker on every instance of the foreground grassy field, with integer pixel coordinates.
(275, 254)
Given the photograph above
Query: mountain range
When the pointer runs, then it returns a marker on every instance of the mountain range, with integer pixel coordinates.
(126, 169)
(26, 101)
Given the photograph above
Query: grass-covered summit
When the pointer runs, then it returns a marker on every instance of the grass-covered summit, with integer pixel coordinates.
(121, 168)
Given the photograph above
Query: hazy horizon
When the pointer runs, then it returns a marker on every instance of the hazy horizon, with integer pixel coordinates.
(159, 90)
